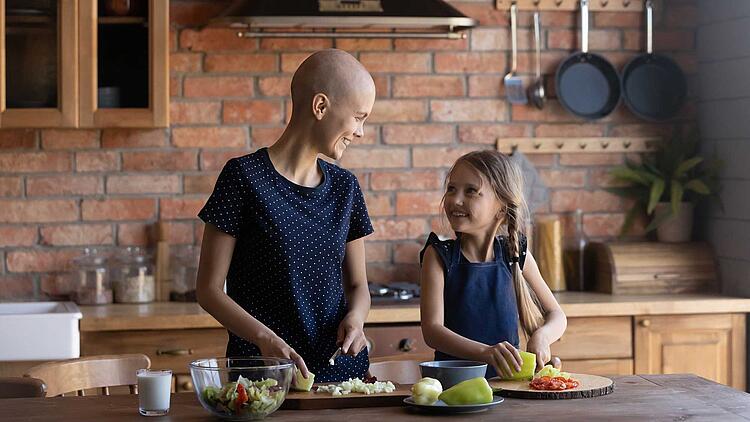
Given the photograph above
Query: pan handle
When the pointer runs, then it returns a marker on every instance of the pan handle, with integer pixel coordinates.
(585, 26)
(649, 26)
(514, 43)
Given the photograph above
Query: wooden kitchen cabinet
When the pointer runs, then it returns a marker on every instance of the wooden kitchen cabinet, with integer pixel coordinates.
(64, 63)
(711, 346)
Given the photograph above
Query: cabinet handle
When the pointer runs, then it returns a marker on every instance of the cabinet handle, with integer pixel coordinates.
(406, 345)
(187, 386)
(666, 276)
(174, 352)
(645, 323)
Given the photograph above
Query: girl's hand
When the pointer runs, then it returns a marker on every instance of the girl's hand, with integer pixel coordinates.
(501, 356)
(275, 346)
(351, 336)
(540, 347)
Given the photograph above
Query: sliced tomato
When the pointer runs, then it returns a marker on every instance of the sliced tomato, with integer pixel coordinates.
(241, 394)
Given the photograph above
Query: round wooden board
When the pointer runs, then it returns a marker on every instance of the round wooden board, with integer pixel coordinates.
(591, 386)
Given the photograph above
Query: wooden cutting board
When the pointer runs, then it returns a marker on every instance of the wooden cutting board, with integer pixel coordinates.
(301, 400)
(591, 386)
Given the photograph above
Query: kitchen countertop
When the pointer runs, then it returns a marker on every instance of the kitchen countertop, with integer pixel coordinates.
(177, 315)
(636, 397)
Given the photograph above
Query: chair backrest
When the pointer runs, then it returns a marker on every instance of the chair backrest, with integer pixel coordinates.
(398, 371)
(21, 387)
(90, 372)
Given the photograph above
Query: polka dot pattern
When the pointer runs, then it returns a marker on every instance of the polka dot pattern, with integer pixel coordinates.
(286, 269)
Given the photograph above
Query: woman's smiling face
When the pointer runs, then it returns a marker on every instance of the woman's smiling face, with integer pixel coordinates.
(470, 202)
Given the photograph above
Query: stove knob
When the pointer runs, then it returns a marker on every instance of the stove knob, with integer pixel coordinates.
(406, 345)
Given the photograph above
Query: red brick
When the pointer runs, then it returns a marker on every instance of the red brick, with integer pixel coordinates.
(375, 158)
(215, 160)
(164, 160)
(438, 157)
(486, 86)
(600, 177)
(416, 44)
(209, 137)
(388, 273)
(682, 16)
(69, 139)
(381, 86)
(143, 183)
(77, 235)
(97, 161)
(353, 45)
(173, 40)
(275, 86)
(550, 62)
(418, 203)
(563, 178)
(377, 251)
(180, 208)
(14, 287)
(406, 180)
(31, 162)
(265, 136)
(118, 209)
(396, 62)
(185, 62)
(40, 260)
(591, 159)
(542, 160)
(17, 139)
(199, 183)
(17, 236)
(242, 63)
(133, 234)
(195, 13)
(488, 133)
(428, 86)
(205, 112)
(563, 39)
(642, 130)
(254, 111)
(291, 61)
(633, 40)
(674, 40)
(398, 111)
(134, 138)
(64, 185)
(487, 39)
(418, 134)
(218, 86)
(618, 19)
(552, 112)
(469, 62)
(215, 39)
(569, 130)
(40, 211)
(406, 253)
(180, 232)
(485, 13)
(602, 225)
(379, 204)
(563, 19)
(401, 229)
(469, 110)
(301, 44)
(175, 86)
(570, 200)
(10, 186)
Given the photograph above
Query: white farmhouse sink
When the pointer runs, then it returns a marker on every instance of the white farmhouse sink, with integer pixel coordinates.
(39, 331)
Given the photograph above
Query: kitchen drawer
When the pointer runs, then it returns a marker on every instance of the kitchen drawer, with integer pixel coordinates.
(395, 340)
(168, 349)
(599, 366)
(594, 338)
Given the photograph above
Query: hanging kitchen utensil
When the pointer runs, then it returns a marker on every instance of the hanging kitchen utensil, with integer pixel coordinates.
(536, 90)
(587, 84)
(653, 86)
(514, 90)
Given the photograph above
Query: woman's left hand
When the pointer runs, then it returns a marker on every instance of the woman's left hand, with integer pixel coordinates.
(351, 336)
(540, 347)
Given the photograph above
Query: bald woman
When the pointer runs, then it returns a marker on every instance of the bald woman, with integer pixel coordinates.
(286, 230)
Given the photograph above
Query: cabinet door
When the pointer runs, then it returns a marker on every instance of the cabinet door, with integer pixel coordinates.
(711, 346)
(124, 56)
(38, 65)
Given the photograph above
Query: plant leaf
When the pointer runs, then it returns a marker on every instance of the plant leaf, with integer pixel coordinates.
(630, 218)
(686, 165)
(657, 221)
(630, 175)
(657, 189)
(635, 192)
(698, 186)
(676, 196)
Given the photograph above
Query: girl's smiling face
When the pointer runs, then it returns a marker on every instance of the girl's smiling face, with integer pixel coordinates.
(470, 203)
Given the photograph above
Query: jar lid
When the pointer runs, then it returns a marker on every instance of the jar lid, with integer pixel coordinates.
(90, 257)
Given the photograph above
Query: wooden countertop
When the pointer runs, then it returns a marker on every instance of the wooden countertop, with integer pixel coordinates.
(645, 397)
(175, 315)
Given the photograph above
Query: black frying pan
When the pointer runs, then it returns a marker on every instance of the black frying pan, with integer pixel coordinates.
(587, 84)
(653, 86)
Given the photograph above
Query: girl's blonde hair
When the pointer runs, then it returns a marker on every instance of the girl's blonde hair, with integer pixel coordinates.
(507, 182)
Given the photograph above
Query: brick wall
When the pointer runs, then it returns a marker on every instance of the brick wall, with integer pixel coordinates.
(61, 190)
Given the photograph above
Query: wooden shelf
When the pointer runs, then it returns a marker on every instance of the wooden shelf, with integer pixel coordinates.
(122, 20)
(576, 145)
(26, 19)
(572, 5)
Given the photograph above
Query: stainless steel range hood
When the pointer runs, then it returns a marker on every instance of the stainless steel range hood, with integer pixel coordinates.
(346, 18)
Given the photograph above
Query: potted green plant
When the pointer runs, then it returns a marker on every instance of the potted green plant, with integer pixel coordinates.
(666, 186)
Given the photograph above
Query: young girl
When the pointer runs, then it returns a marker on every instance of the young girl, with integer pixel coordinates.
(285, 229)
(477, 288)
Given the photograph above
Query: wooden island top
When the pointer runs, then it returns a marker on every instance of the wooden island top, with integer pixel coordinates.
(177, 315)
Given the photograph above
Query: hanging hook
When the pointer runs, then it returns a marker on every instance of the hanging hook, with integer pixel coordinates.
(605, 144)
(536, 3)
(626, 144)
(626, 3)
(559, 145)
(537, 145)
(558, 3)
(513, 148)
(605, 3)
(582, 145)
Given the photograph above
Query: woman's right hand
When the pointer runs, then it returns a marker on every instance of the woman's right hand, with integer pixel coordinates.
(275, 346)
(501, 356)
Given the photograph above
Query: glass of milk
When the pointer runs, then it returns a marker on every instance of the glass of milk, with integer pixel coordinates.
(154, 389)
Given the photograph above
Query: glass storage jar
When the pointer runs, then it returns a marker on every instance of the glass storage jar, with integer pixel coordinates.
(133, 276)
(91, 279)
(184, 268)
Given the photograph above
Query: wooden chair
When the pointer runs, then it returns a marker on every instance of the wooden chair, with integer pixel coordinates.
(21, 387)
(91, 372)
(397, 371)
